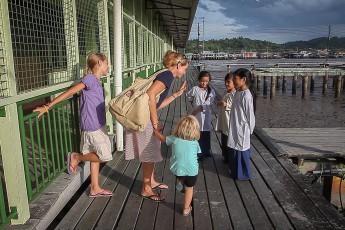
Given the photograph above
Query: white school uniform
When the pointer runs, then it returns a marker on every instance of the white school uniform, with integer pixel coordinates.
(223, 118)
(242, 120)
(198, 96)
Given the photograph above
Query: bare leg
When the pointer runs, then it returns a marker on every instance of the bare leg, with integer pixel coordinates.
(147, 176)
(154, 183)
(94, 167)
(187, 199)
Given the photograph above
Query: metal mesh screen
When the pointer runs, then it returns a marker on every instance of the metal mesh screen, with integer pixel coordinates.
(139, 44)
(88, 29)
(4, 84)
(40, 32)
(128, 44)
(111, 29)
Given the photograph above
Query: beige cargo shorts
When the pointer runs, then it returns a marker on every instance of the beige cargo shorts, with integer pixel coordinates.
(96, 142)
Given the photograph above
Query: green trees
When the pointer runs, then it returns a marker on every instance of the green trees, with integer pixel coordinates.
(235, 45)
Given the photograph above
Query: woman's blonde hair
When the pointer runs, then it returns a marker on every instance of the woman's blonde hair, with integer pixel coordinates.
(92, 60)
(172, 58)
(187, 128)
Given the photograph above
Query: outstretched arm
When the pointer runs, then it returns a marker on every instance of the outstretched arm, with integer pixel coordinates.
(173, 96)
(74, 89)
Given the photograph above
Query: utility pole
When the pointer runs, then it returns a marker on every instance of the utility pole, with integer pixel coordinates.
(329, 38)
(203, 34)
(198, 42)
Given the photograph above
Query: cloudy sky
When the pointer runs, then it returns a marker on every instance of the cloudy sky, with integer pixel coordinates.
(276, 21)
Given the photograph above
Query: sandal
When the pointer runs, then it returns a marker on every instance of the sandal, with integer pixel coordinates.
(154, 198)
(161, 186)
(187, 211)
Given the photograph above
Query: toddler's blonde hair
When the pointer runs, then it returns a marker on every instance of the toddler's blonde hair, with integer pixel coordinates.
(187, 128)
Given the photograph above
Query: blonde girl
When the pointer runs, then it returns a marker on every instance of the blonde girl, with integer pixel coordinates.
(95, 145)
(144, 145)
(184, 160)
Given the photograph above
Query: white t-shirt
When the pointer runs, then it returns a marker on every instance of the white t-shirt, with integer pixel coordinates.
(242, 120)
(197, 96)
(223, 118)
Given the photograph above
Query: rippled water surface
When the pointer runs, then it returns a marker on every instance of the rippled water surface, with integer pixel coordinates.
(287, 110)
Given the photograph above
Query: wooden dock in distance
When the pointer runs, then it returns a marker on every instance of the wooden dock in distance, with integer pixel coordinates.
(277, 196)
(310, 143)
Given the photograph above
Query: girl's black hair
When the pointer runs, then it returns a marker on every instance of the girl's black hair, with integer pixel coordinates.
(245, 73)
(205, 74)
(229, 76)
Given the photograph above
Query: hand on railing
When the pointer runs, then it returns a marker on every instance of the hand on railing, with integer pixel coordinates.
(42, 109)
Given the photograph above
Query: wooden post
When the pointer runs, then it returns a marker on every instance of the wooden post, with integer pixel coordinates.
(258, 88)
(273, 87)
(305, 86)
(278, 83)
(228, 68)
(294, 84)
(338, 86)
(342, 82)
(284, 84)
(325, 83)
(327, 187)
(265, 85)
(312, 83)
(255, 82)
(334, 82)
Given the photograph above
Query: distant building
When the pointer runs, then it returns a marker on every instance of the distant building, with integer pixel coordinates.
(249, 55)
(222, 55)
(208, 55)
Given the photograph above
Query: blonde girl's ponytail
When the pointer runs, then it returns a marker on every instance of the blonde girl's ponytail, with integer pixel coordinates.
(92, 60)
(87, 70)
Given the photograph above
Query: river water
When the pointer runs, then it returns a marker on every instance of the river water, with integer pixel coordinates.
(287, 110)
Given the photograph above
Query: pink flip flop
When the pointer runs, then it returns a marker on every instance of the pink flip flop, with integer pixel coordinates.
(70, 168)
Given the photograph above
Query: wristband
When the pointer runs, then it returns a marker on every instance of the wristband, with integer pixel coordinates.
(46, 108)
(173, 96)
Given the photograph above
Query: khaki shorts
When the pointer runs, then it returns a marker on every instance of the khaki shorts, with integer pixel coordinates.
(96, 142)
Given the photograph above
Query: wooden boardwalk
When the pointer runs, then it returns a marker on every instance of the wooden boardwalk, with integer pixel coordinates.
(277, 197)
(311, 143)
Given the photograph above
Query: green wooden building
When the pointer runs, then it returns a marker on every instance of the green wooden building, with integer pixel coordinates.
(43, 50)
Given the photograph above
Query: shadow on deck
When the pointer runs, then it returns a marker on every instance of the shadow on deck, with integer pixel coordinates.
(277, 196)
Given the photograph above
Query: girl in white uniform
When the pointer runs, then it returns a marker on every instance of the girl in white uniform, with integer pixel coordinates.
(223, 118)
(202, 97)
(241, 125)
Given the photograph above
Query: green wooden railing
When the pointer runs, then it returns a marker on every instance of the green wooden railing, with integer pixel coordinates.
(46, 142)
(6, 213)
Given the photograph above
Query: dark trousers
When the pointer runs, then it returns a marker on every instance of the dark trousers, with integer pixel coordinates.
(225, 148)
(205, 143)
(239, 163)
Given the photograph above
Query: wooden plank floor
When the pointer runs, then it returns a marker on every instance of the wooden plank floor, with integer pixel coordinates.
(310, 142)
(275, 198)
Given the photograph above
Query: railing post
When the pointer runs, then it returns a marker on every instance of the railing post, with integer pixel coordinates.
(10, 143)
(11, 152)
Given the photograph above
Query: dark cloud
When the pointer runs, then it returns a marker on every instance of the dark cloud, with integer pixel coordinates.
(290, 17)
